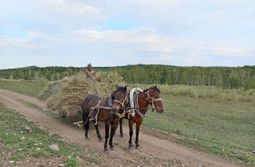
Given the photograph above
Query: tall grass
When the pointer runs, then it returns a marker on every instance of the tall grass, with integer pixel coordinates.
(206, 92)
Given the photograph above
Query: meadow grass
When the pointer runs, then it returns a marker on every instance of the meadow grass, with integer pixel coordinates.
(216, 120)
(28, 87)
(225, 128)
(205, 92)
(24, 144)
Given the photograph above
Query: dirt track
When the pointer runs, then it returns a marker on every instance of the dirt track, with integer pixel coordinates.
(158, 151)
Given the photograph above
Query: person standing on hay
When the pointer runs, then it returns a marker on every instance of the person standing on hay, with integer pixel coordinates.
(90, 72)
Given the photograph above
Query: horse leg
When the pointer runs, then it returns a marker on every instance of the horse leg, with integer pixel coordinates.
(106, 135)
(121, 129)
(130, 124)
(85, 123)
(98, 133)
(138, 125)
(114, 125)
(111, 137)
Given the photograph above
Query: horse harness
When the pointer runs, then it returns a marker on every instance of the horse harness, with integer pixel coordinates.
(131, 111)
(135, 109)
(152, 100)
(99, 106)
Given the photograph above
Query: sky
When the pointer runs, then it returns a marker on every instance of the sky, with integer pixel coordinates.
(115, 33)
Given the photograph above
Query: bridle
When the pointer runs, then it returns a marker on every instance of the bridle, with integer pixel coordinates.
(122, 103)
(151, 99)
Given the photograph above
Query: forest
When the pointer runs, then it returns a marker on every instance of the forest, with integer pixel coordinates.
(225, 77)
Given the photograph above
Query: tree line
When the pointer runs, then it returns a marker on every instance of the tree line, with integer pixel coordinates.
(226, 77)
(37, 73)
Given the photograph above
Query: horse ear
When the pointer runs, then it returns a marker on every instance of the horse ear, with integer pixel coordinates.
(153, 87)
(125, 88)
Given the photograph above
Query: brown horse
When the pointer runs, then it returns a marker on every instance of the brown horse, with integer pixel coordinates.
(99, 110)
(146, 98)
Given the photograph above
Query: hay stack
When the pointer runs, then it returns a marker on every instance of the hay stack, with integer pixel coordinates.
(53, 88)
(66, 96)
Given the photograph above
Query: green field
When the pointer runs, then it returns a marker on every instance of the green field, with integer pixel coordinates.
(202, 92)
(222, 126)
(20, 143)
(32, 88)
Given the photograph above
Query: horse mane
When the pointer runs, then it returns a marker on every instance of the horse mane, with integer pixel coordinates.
(152, 87)
(122, 87)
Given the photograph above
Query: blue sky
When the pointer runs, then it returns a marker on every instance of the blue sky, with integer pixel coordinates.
(113, 32)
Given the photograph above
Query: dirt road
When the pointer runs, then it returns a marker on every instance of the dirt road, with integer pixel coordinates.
(153, 152)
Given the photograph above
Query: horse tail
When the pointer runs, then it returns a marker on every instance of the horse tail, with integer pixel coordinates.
(85, 116)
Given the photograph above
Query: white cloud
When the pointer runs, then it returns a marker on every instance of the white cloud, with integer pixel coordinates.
(147, 40)
(165, 58)
(213, 52)
(134, 35)
(70, 7)
(229, 48)
(141, 7)
(9, 42)
(135, 40)
(230, 51)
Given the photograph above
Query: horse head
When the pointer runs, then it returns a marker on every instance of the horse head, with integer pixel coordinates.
(154, 99)
(119, 98)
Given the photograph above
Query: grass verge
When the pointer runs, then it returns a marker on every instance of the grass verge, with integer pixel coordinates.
(23, 140)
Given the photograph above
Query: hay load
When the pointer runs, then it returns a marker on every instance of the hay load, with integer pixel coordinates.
(65, 96)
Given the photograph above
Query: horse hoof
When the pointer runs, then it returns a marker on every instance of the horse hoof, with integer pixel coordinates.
(121, 135)
(137, 146)
(111, 147)
(100, 139)
(130, 146)
(105, 150)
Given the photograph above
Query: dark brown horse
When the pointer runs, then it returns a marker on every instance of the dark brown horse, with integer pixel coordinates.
(147, 99)
(95, 108)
